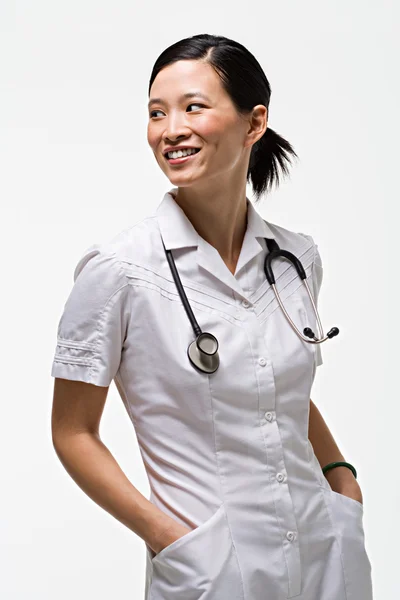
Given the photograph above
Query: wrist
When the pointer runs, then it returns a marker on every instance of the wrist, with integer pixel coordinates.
(161, 538)
(340, 477)
(154, 526)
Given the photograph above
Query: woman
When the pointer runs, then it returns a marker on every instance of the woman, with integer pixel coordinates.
(232, 444)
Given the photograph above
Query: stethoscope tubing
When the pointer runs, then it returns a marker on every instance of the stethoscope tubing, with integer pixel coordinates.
(203, 351)
(275, 252)
(195, 326)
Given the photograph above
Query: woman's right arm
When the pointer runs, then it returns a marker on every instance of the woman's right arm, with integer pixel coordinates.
(75, 420)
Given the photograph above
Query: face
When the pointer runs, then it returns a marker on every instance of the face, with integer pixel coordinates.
(208, 120)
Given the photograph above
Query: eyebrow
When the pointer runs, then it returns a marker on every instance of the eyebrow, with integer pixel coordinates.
(187, 95)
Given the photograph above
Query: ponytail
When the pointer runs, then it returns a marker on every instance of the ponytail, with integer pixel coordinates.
(271, 154)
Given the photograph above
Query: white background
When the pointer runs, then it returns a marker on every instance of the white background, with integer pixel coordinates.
(76, 169)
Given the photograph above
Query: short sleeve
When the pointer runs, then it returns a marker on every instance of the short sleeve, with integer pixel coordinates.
(93, 325)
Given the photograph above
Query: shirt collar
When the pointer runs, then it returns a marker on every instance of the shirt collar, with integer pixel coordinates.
(177, 230)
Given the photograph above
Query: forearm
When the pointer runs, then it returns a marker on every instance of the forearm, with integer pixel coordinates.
(327, 451)
(92, 466)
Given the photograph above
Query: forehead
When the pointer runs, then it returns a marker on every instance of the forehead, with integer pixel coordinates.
(186, 76)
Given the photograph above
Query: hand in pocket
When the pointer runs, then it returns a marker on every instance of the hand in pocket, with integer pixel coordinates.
(351, 490)
(169, 535)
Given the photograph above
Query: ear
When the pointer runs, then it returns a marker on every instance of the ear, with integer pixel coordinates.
(258, 120)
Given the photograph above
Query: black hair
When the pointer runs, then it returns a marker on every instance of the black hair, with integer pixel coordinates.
(244, 80)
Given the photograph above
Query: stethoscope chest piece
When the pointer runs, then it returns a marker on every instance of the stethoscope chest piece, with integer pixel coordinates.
(203, 353)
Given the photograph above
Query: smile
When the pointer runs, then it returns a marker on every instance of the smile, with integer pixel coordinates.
(182, 159)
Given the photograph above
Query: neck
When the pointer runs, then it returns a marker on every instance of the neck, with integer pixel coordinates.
(219, 218)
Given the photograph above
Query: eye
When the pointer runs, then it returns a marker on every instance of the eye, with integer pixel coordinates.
(196, 104)
(193, 104)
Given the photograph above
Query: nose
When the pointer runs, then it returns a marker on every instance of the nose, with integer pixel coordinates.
(174, 138)
(176, 128)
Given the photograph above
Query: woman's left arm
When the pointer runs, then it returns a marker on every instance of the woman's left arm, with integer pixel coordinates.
(341, 479)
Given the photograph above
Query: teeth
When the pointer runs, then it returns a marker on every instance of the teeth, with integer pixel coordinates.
(181, 153)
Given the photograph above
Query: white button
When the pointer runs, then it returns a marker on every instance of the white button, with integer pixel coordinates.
(246, 304)
(262, 361)
(291, 536)
(269, 416)
(280, 477)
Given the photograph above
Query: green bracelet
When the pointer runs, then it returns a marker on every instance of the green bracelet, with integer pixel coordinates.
(340, 464)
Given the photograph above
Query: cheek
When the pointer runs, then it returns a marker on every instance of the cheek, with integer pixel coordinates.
(152, 137)
(224, 133)
(211, 129)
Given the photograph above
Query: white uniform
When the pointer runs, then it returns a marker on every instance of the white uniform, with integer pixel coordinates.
(226, 454)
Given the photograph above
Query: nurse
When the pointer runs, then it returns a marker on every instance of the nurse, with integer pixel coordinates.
(240, 507)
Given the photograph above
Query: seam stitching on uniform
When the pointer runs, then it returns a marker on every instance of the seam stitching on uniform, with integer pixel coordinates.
(71, 360)
(222, 488)
(333, 525)
(270, 312)
(212, 293)
(273, 299)
(187, 283)
(68, 343)
(284, 274)
(176, 298)
(90, 346)
(100, 323)
(214, 296)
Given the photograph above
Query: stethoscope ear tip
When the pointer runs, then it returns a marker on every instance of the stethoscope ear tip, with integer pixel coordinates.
(334, 331)
(309, 332)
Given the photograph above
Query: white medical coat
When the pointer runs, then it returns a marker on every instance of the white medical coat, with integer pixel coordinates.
(226, 454)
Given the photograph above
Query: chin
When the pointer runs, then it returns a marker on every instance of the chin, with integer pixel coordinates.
(182, 181)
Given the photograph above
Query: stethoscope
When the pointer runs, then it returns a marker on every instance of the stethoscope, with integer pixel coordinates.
(203, 351)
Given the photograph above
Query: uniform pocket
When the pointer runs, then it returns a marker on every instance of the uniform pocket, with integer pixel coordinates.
(358, 505)
(200, 564)
(191, 536)
(347, 516)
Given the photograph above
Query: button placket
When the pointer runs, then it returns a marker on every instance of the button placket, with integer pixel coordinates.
(284, 503)
(274, 456)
